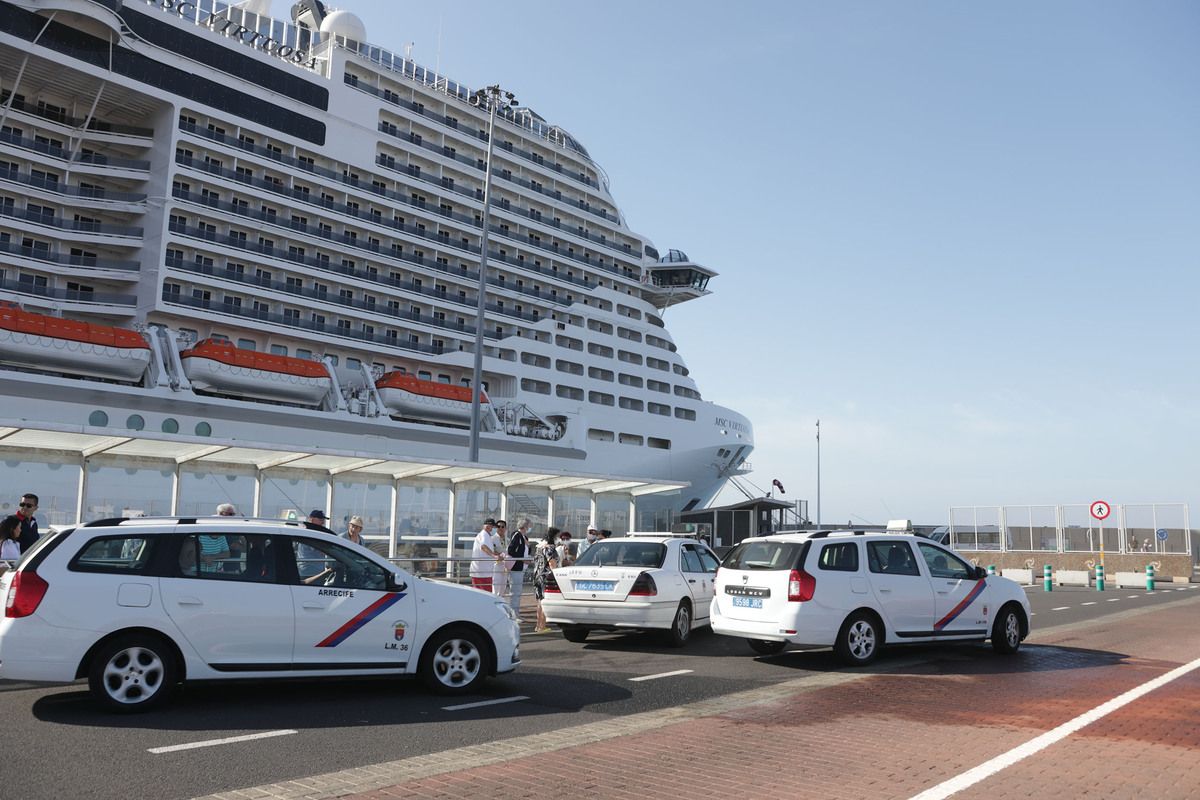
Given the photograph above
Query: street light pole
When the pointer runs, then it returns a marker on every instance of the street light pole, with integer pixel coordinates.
(494, 97)
(818, 473)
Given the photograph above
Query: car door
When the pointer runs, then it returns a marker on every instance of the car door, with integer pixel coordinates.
(904, 594)
(699, 579)
(230, 608)
(351, 613)
(959, 606)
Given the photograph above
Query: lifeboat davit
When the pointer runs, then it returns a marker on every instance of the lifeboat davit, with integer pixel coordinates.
(218, 367)
(54, 344)
(409, 396)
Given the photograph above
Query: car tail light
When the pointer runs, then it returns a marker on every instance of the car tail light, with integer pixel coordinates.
(644, 586)
(801, 586)
(26, 592)
(551, 583)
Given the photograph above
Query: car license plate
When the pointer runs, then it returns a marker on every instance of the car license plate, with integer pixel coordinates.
(747, 602)
(594, 586)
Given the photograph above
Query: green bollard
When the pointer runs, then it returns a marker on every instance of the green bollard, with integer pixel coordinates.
(992, 570)
(1099, 577)
(1048, 578)
(1149, 577)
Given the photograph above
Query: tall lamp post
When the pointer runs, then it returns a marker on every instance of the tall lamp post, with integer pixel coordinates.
(818, 473)
(493, 97)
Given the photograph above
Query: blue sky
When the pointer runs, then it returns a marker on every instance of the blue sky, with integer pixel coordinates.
(964, 236)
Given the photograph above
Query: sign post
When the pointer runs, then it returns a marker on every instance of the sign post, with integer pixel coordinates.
(1100, 511)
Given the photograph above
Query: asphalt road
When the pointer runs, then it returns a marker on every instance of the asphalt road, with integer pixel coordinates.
(60, 745)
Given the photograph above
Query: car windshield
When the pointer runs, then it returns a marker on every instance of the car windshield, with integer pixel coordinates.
(613, 553)
(764, 555)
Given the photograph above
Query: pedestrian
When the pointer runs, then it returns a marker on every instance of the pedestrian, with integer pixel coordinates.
(484, 554)
(1146, 548)
(10, 538)
(309, 560)
(605, 533)
(518, 552)
(500, 573)
(565, 557)
(545, 558)
(26, 507)
(226, 510)
(592, 535)
(317, 517)
(354, 530)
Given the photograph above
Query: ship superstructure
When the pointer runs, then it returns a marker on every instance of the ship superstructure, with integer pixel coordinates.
(290, 219)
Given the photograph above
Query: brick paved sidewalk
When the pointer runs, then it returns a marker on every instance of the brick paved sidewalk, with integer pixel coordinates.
(856, 735)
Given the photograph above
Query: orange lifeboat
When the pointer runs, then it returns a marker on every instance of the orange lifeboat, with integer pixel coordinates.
(218, 367)
(417, 398)
(54, 344)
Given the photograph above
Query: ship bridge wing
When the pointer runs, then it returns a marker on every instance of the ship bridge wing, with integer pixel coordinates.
(674, 279)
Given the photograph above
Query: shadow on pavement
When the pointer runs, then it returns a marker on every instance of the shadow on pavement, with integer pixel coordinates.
(964, 659)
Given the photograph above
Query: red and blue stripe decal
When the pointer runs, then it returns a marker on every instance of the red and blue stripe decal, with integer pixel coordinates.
(962, 606)
(358, 620)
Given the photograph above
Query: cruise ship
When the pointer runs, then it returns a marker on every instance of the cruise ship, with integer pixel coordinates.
(241, 260)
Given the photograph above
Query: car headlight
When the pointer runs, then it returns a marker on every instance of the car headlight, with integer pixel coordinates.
(508, 611)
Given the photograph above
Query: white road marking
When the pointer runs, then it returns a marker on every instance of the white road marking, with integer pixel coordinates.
(1061, 608)
(1088, 603)
(1114, 599)
(989, 768)
(482, 703)
(1133, 596)
(214, 742)
(661, 675)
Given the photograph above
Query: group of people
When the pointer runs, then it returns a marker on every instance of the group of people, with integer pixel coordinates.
(19, 531)
(1147, 545)
(498, 561)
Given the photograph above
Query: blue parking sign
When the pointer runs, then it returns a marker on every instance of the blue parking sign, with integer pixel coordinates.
(1162, 534)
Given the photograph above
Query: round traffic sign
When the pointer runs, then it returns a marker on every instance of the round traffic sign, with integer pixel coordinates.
(1100, 509)
(1162, 534)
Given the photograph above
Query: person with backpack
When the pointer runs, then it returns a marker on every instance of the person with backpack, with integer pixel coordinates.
(518, 551)
(545, 558)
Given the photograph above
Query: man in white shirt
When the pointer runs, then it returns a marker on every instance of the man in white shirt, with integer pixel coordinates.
(592, 535)
(485, 551)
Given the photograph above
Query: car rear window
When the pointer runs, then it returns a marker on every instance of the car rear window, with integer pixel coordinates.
(612, 553)
(842, 557)
(764, 555)
(120, 554)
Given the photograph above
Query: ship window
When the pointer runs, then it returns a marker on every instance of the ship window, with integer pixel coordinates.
(630, 438)
(303, 353)
(353, 363)
(279, 350)
(629, 380)
(658, 386)
(538, 387)
(601, 398)
(443, 378)
(425, 375)
(595, 434)
(659, 408)
(631, 404)
(600, 350)
(659, 444)
(569, 392)
(685, 413)
(600, 374)
(569, 366)
(628, 357)
(632, 336)
(247, 344)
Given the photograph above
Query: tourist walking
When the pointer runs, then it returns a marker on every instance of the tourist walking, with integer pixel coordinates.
(484, 554)
(26, 507)
(354, 531)
(545, 558)
(518, 552)
(10, 539)
(500, 571)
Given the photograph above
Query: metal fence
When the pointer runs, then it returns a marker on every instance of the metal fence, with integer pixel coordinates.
(1161, 528)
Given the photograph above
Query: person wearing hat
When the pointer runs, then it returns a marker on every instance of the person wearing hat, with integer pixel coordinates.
(309, 560)
(354, 531)
(317, 517)
(485, 552)
(592, 535)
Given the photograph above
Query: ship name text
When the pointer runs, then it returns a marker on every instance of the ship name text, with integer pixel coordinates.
(721, 422)
(233, 30)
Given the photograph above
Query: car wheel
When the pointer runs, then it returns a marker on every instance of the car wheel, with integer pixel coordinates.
(1006, 631)
(575, 633)
(765, 648)
(453, 661)
(681, 626)
(859, 639)
(132, 673)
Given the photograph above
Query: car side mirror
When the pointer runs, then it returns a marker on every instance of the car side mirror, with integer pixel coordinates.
(980, 573)
(395, 585)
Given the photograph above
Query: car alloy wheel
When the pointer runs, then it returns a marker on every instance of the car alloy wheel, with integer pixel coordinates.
(1006, 631)
(453, 661)
(131, 673)
(681, 626)
(858, 641)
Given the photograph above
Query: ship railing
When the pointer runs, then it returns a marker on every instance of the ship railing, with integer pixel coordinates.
(54, 221)
(69, 295)
(48, 184)
(63, 118)
(75, 158)
(90, 262)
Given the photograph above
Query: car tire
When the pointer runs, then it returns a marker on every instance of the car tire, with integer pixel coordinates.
(575, 633)
(859, 640)
(766, 648)
(681, 625)
(1006, 630)
(454, 661)
(132, 673)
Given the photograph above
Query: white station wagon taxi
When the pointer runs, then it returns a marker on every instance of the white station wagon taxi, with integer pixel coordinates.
(643, 581)
(856, 592)
(138, 605)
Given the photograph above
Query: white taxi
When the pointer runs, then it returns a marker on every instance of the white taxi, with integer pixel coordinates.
(643, 581)
(138, 605)
(857, 592)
